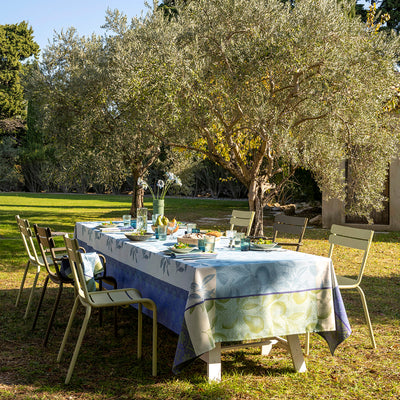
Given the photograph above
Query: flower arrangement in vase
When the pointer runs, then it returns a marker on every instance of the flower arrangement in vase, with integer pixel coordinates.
(160, 191)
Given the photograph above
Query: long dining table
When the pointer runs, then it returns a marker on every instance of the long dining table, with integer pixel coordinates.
(230, 296)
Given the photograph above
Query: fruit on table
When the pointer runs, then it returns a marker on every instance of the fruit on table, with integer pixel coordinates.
(264, 241)
(172, 223)
(159, 221)
(164, 220)
(181, 245)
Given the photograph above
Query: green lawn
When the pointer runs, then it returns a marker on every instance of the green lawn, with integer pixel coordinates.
(107, 367)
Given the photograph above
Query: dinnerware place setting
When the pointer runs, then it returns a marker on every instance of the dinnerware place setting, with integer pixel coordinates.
(190, 244)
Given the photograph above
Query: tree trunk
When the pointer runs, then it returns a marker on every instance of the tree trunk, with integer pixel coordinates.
(137, 195)
(257, 201)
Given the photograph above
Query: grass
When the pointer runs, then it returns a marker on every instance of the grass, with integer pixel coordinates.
(107, 367)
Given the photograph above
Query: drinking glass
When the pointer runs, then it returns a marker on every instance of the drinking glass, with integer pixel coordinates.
(245, 244)
(190, 227)
(154, 218)
(238, 237)
(127, 220)
(201, 244)
(210, 244)
(230, 234)
(162, 232)
(141, 222)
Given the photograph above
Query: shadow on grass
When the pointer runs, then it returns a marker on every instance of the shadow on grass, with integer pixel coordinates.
(106, 364)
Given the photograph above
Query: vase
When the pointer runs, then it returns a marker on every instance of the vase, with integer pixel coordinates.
(158, 206)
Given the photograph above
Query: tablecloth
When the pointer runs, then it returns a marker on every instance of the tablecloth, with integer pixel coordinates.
(236, 296)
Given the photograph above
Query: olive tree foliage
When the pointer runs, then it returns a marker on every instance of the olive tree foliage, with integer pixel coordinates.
(263, 87)
(67, 90)
(103, 102)
(140, 92)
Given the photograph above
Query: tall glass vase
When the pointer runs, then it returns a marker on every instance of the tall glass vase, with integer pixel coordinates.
(158, 206)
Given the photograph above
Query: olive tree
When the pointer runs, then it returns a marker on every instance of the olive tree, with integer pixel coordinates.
(265, 87)
(104, 102)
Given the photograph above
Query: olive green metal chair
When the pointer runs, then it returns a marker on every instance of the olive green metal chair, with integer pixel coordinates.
(291, 225)
(101, 299)
(33, 259)
(49, 249)
(243, 219)
(353, 238)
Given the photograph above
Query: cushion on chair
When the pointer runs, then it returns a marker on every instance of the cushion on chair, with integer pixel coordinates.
(92, 266)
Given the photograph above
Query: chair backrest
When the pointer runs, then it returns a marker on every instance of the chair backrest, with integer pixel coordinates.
(75, 261)
(292, 225)
(48, 248)
(242, 219)
(353, 238)
(27, 238)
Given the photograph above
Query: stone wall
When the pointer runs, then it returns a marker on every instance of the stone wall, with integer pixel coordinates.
(333, 210)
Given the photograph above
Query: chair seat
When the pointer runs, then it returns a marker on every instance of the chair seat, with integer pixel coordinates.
(112, 298)
(359, 239)
(345, 282)
(100, 299)
(49, 261)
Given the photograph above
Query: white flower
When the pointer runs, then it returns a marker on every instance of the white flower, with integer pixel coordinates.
(162, 186)
(178, 181)
(141, 182)
(170, 176)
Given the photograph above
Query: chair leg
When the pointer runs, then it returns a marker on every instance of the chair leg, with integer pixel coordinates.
(115, 312)
(28, 306)
(53, 314)
(366, 313)
(307, 344)
(101, 317)
(40, 301)
(154, 361)
(78, 344)
(67, 330)
(100, 310)
(116, 321)
(140, 332)
(21, 288)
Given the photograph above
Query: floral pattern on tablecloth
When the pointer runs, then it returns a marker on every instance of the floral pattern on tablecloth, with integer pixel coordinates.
(235, 296)
(257, 301)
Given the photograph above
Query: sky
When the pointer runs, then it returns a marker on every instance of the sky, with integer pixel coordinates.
(47, 16)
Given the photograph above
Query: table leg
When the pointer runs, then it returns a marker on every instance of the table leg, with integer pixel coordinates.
(267, 347)
(213, 360)
(296, 353)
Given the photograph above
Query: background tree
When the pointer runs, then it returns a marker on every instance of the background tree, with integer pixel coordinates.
(392, 8)
(16, 45)
(263, 88)
(103, 98)
(170, 8)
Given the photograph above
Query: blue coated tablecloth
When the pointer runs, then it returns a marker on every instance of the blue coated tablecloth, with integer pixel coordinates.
(234, 296)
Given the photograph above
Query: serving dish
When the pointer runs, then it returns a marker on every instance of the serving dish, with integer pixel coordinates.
(138, 237)
(183, 250)
(264, 246)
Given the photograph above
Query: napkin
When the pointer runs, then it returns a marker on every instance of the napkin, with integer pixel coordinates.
(92, 267)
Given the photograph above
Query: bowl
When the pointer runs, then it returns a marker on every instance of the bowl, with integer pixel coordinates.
(137, 237)
(169, 231)
(264, 246)
(183, 250)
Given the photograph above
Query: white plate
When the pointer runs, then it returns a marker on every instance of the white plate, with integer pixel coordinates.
(264, 246)
(274, 248)
(138, 238)
(182, 251)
